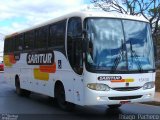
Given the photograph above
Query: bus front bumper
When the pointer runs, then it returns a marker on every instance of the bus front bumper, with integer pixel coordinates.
(112, 97)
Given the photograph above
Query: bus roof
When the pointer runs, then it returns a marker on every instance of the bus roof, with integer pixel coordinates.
(83, 15)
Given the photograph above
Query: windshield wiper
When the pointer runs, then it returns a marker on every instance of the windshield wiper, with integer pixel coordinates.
(134, 55)
(118, 58)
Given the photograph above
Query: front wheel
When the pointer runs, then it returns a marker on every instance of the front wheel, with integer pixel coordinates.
(60, 98)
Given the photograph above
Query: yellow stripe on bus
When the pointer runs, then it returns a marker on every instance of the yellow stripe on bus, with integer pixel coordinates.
(129, 80)
(40, 75)
(7, 61)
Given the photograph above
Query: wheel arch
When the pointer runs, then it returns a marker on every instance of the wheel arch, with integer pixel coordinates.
(17, 80)
(58, 83)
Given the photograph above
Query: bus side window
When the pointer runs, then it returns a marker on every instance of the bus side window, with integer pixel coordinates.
(74, 44)
(18, 43)
(21, 42)
(52, 39)
(29, 40)
(60, 33)
(57, 35)
(11, 44)
(8, 45)
(41, 37)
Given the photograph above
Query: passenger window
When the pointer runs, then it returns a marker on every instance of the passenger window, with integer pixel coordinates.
(57, 34)
(8, 45)
(29, 40)
(41, 37)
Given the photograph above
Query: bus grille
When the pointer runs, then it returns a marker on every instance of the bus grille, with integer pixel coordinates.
(126, 88)
(125, 97)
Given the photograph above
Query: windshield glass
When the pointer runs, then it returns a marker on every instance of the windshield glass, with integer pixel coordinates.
(115, 44)
(139, 45)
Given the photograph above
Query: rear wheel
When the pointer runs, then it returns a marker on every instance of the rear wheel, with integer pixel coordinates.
(114, 106)
(60, 98)
(19, 91)
(26, 93)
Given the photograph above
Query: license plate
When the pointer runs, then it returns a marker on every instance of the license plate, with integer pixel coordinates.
(124, 102)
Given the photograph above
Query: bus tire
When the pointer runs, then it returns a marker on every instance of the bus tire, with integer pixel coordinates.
(19, 91)
(114, 106)
(26, 93)
(60, 98)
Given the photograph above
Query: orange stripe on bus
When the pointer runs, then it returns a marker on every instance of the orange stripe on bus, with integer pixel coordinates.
(48, 68)
(123, 80)
(12, 59)
(118, 80)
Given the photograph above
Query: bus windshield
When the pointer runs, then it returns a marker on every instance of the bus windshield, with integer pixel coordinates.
(119, 45)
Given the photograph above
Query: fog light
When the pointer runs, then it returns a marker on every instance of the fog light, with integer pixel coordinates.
(98, 98)
(149, 95)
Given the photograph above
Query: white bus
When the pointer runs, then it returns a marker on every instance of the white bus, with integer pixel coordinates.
(84, 58)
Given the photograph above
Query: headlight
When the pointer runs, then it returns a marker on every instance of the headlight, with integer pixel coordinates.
(148, 85)
(98, 86)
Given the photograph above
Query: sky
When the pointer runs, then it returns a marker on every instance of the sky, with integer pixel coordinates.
(16, 15)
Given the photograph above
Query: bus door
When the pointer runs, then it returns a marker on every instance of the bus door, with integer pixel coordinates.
(74, 53)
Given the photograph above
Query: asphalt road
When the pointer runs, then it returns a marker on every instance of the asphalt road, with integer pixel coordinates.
(39, 107)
